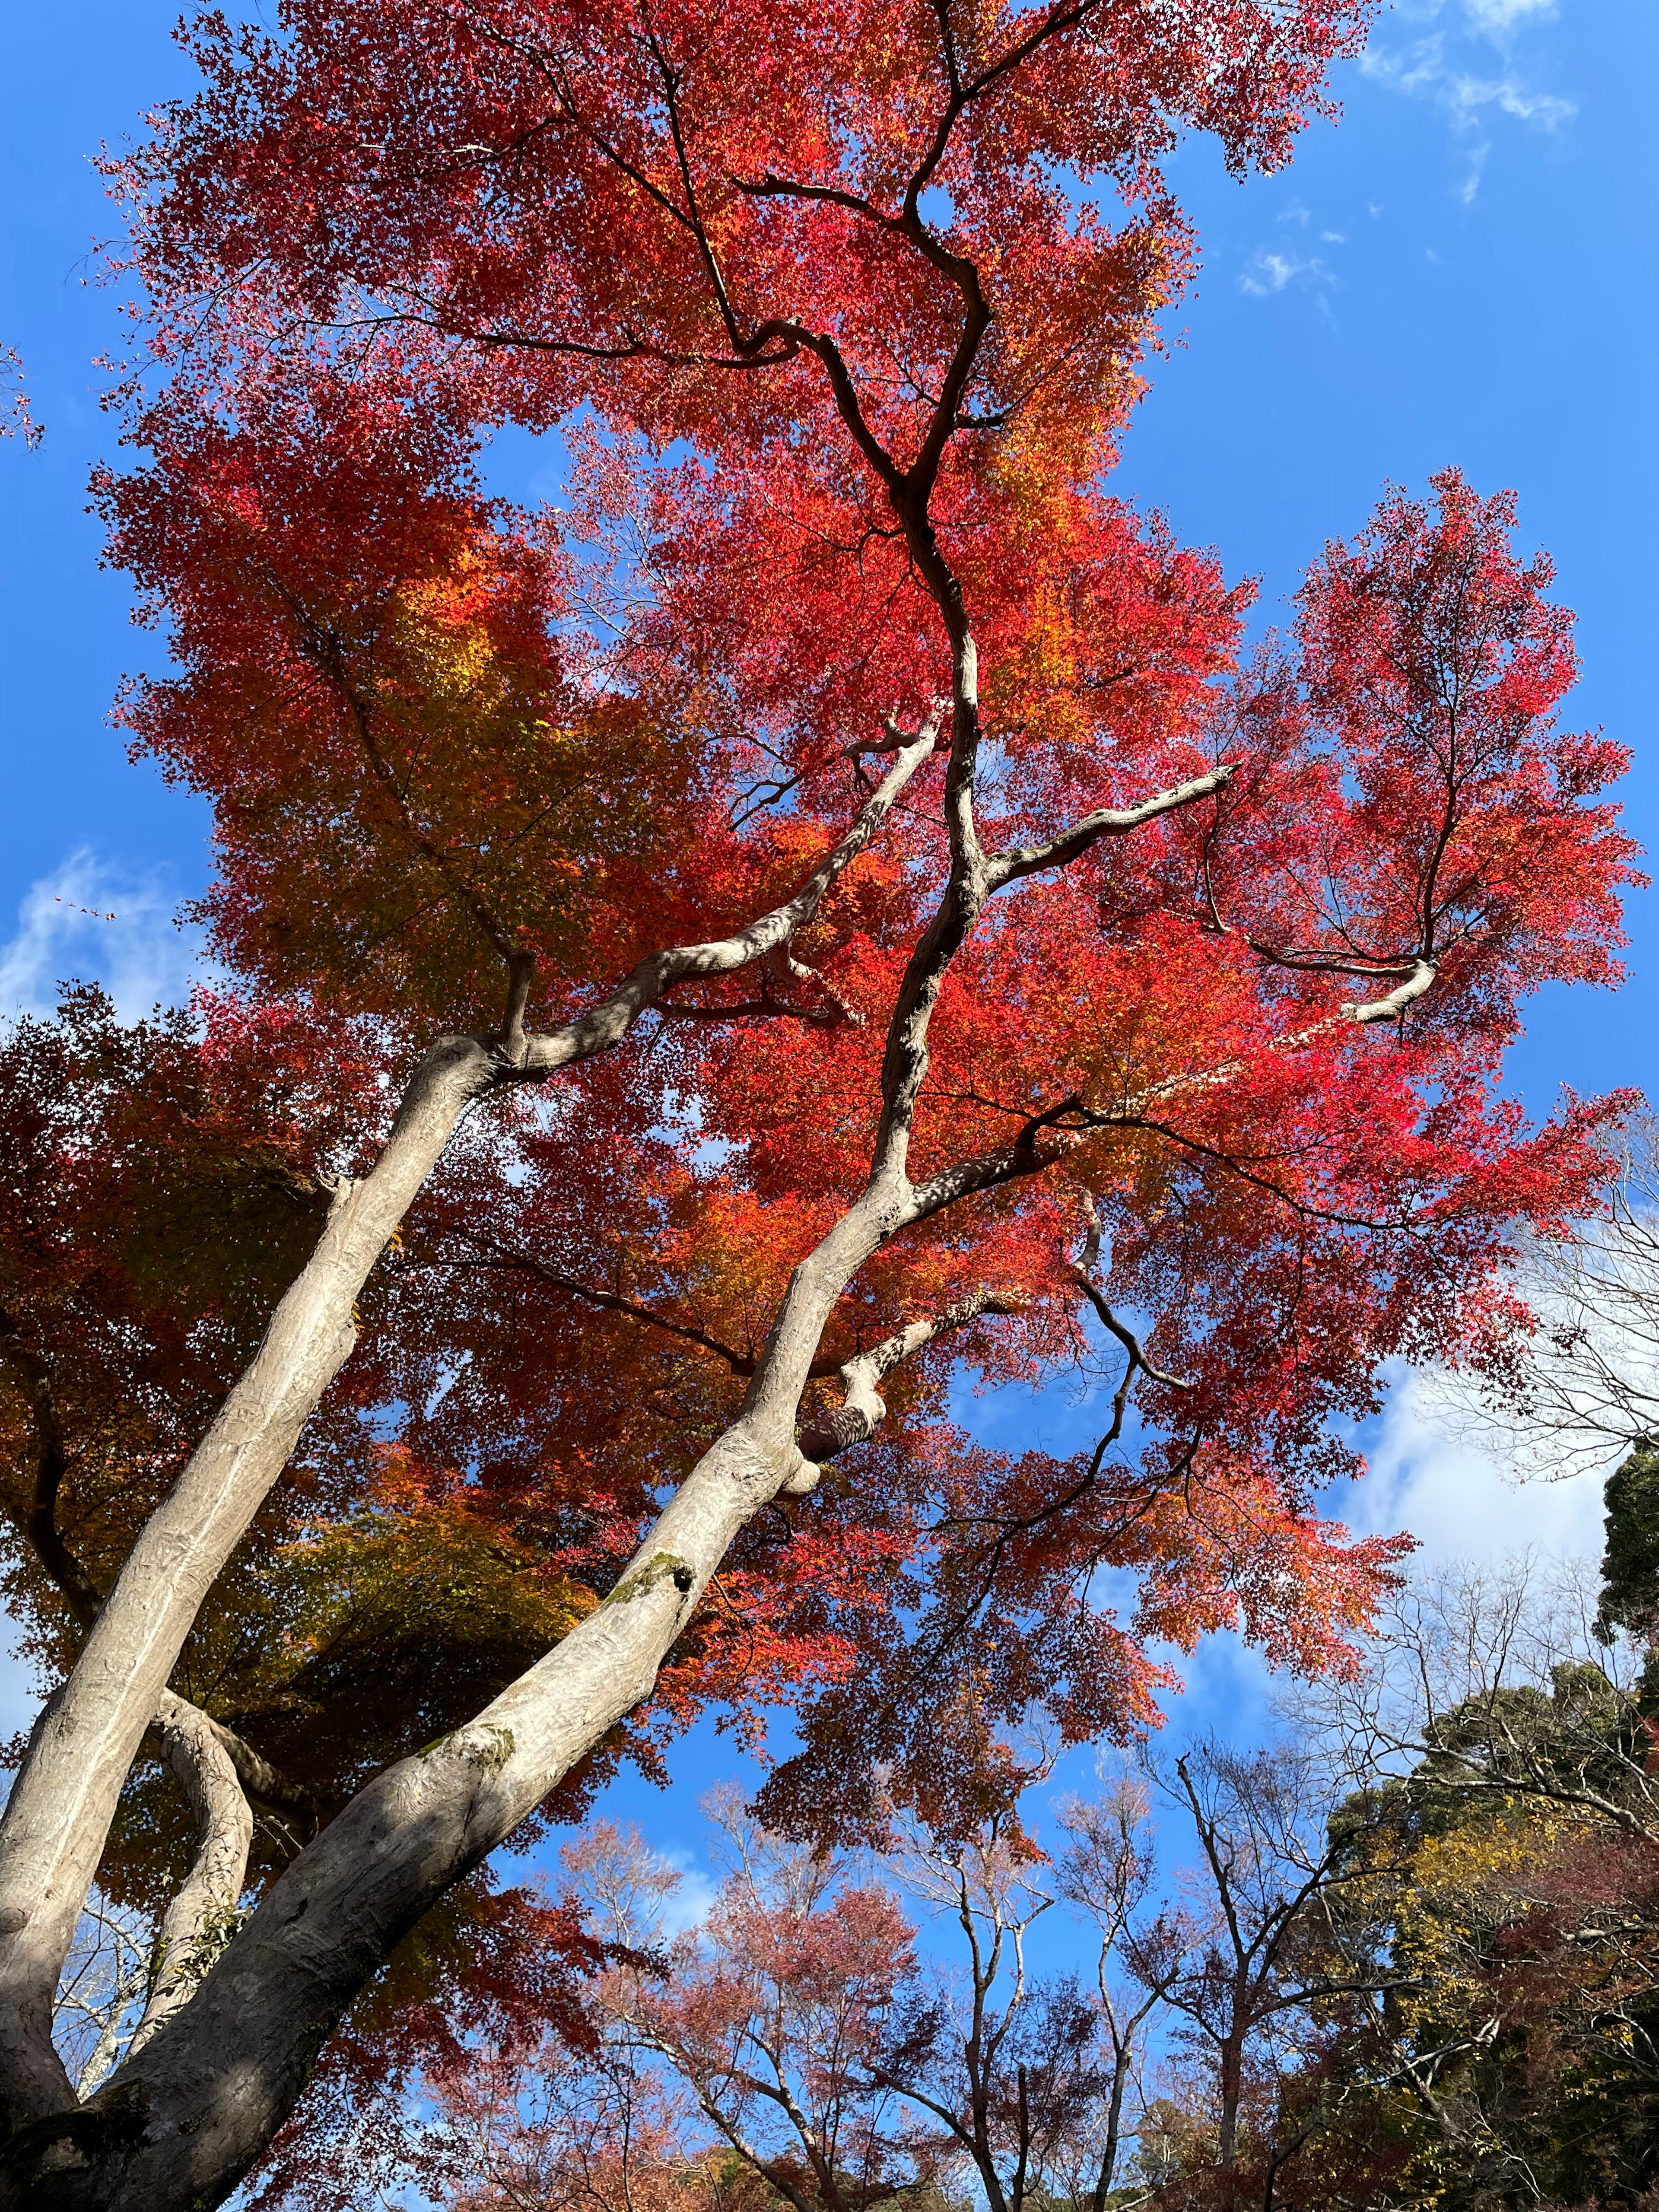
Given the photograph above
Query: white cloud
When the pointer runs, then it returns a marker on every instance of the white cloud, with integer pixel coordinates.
(1497, 19)
(687, 1905)
(98, 921)
(1473, 174)
(1543, 108)
(1422, 71)
(1458, 1501)
(1266, 273)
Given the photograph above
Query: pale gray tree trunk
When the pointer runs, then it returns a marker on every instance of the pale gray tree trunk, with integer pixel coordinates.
(182, 2121)
(200, 1919)
(179, 2123)
(84, 1745)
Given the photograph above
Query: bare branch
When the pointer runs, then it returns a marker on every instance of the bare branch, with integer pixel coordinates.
(504, 1256)
(1139, 1361)
(1105, 822)
(856, 1417)
(201, 1916)
(608, 1022)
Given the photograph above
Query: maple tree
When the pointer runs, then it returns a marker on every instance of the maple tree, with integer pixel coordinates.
(984, 915)
(798, 2046)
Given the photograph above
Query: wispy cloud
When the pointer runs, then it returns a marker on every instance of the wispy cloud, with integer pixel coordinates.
(1469, 95)
(1497, 19)
(96, 921)
(689, 1903)
(1473, 174)
(1459, 1501)
(1267, 272)
(1422, 71)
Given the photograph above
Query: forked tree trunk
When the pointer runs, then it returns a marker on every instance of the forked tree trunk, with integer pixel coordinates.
(86, 1740)
(184, 2118)
(180, 2123)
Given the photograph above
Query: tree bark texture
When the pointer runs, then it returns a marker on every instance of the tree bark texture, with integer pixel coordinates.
(200, 1917)
(85, 1739)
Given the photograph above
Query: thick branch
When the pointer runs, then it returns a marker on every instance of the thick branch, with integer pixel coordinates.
(60, 1807)
(200, 1919)
(660, 971)
(285, 1805)
(1038, 1145)
(861, 1409)
(1391, 1008)
(1105, 822)
(198, 1749)
(38, 1527)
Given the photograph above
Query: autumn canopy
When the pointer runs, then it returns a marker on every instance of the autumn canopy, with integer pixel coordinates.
(829, 913)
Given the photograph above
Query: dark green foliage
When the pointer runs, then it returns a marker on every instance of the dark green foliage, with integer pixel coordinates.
(1630, 1564)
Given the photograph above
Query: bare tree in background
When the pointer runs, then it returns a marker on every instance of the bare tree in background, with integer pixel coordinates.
(795, 2048)
(772, 2017)
(100, 1996)
(1106, 1873)
(1575, 1383)
(1275, 1944)
(1503, 1681)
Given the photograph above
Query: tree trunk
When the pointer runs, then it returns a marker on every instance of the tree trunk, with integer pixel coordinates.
(1102, 2188)
(1233, 2079)
(85, 1740)
(180, 2123)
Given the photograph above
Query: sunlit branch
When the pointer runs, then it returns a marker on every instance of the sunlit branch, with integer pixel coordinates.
(202, 1915)
(751, 1009)
(1009, 867)
(547, 1051)
(861, 1409)
(1391, 1008)
(278, 1800)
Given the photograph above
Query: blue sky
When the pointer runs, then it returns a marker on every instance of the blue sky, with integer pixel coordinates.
(1462, 271)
